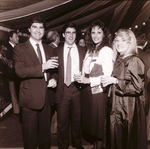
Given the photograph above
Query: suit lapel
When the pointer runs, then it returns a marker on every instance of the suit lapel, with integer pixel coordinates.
(47, 56)
(61, 60)
(47, 52)
(30, 50)
(80, 57)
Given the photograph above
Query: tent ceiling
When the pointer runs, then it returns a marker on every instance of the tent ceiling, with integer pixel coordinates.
(115, 14)
(7, 5)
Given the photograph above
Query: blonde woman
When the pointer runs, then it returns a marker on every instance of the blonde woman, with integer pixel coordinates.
(127, 118)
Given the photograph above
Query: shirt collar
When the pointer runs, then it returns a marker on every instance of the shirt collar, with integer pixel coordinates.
(33, 42)
(11, 44)
(67, 45)
(55, 44)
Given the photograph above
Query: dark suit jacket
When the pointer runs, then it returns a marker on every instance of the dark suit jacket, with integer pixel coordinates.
(28, 68)
(9, 51)
(52, 91)
(52, 45)
(60, 77)
(11, 76)
(145, 57)
(142, 54)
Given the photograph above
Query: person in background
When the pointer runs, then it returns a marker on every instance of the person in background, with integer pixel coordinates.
(53, 40)
(12, 78)
(81, 40)
(97, 62)
(144, 54)
(70, 59)
(146, 47)
(127, 116)
(32, 61)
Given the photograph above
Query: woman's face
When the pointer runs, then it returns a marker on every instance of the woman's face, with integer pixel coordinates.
(97, 34)
(121, 45)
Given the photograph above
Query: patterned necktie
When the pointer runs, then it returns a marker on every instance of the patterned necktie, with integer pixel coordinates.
(68, 68)
(39, 53)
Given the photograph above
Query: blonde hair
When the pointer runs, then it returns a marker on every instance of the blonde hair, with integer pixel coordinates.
(128, 35)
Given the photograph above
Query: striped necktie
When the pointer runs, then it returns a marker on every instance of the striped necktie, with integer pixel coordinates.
(39, 53)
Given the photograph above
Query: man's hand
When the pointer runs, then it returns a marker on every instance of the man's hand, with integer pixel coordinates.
(50, 64)
(78, 77)
(52, 83)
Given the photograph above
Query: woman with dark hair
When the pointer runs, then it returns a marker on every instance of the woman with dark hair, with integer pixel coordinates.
(97, 62)
(127, 116)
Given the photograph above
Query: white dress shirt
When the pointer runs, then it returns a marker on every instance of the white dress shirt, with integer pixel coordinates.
(74, 58)
(33, 43)
(105, 59)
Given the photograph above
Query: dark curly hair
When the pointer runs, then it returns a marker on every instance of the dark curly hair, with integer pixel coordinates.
(106, 41)
(37, 19)
(67, 25)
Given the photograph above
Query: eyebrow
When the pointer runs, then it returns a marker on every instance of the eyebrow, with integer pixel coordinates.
(37, 26)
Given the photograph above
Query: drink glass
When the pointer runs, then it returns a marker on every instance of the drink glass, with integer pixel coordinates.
(54, 57)
(78, 76)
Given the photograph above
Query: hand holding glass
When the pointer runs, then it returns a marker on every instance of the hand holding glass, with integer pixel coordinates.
(78, 77)
(50, 64)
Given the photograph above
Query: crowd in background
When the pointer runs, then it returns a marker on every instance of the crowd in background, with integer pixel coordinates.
(108, 94)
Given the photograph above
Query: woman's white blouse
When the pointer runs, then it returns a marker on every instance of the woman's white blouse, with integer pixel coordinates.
(105, 59)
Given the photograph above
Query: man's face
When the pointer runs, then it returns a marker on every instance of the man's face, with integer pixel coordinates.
(14, 39)
(70, 35)
(36, 31)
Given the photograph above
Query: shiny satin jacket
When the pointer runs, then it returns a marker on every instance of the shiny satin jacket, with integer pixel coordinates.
(127, 119)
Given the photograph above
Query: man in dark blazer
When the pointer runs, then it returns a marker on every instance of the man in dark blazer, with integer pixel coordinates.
(31, 61)
(10, 73)
(53, 40)
(68, 95)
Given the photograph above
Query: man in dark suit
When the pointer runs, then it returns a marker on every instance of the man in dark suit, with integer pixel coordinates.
(70, 59)
(53, 40)
(11, 76)
(31, 61)
(144, 54)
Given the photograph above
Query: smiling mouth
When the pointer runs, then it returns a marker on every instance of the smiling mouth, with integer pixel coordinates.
(96, 39)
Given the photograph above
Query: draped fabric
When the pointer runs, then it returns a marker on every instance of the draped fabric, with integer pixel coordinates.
(127, 127)
(115, 14)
